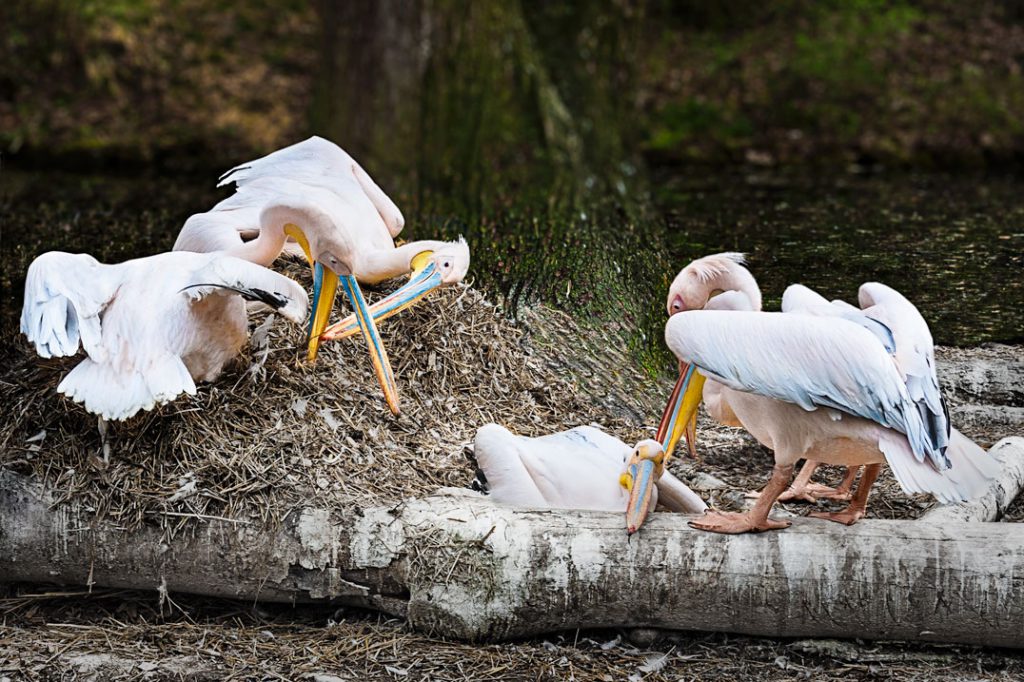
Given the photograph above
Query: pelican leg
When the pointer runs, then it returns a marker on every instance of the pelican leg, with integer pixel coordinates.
(803, 490)
(419, 285)
(857, 507)
(755, 520)
(378, 354)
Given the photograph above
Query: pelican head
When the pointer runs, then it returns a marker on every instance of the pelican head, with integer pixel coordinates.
(647, 463)
(695, 284)
(442, 266)
(644, 467)
(451, 261)
(327, 250)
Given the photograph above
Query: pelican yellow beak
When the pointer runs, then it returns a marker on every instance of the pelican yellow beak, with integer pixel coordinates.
(644, 468)
(648, 461)
(378, 354)
(424, 279)
(680, 416)
(325, 288)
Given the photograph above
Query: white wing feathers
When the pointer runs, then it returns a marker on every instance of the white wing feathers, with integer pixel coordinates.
(318, 163)
(220, 228)
(799, 299)
(136, 321)
(900, 328)
(970, 474)
(120, 391)
(915, 353)
(578, 468)
(803, 359)
(65, 294)
(227, 275)
(315, 161)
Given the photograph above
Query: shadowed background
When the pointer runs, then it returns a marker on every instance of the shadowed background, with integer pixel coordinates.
(587, 150)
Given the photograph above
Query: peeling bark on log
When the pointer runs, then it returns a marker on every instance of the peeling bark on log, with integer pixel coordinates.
(1000, 495)
(989, 375)
(456, 565)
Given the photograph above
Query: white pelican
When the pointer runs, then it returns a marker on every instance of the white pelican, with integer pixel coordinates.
(696, 287)
(847, 387)
(700, 285)
(150, 327)
(315, 193)
(582, 468)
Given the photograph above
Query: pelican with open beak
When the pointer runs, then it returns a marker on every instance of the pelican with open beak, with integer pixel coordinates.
(314, 196)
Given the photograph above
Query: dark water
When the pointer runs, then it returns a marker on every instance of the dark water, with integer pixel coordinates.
(954, 246)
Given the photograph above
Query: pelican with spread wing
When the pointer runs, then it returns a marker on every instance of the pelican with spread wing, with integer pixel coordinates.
(150, 327)
(315, 196)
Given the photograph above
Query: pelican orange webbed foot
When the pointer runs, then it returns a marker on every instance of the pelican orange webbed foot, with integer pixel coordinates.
(858, 506)
(734, 523)
(755, 520)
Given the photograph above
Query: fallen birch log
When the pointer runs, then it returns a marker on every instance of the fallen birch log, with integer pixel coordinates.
(1000, 495)
(458, 566)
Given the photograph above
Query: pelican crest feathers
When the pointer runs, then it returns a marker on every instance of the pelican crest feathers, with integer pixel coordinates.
(716, 264)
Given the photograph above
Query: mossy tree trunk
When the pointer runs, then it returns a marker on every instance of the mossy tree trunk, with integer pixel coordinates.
(470, 91)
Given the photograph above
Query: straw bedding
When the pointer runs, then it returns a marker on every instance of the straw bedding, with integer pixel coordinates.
(273, 432)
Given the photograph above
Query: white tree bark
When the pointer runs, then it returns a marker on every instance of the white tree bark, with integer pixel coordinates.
(458, 566)
(1001, 494)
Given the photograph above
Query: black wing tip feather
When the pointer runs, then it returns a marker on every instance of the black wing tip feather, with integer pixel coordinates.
(479, 483)
(272, 299)
(227, 174)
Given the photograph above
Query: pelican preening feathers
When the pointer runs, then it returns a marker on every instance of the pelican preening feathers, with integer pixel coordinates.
(317, 195)
(151, 327)
(823, 381)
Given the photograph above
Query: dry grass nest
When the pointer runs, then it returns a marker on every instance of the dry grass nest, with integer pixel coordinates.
(274, 433)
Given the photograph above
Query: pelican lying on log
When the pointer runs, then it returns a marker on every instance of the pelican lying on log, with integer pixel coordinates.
(317, 195)
(582, 468)
(150, 327)
(842, 386)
